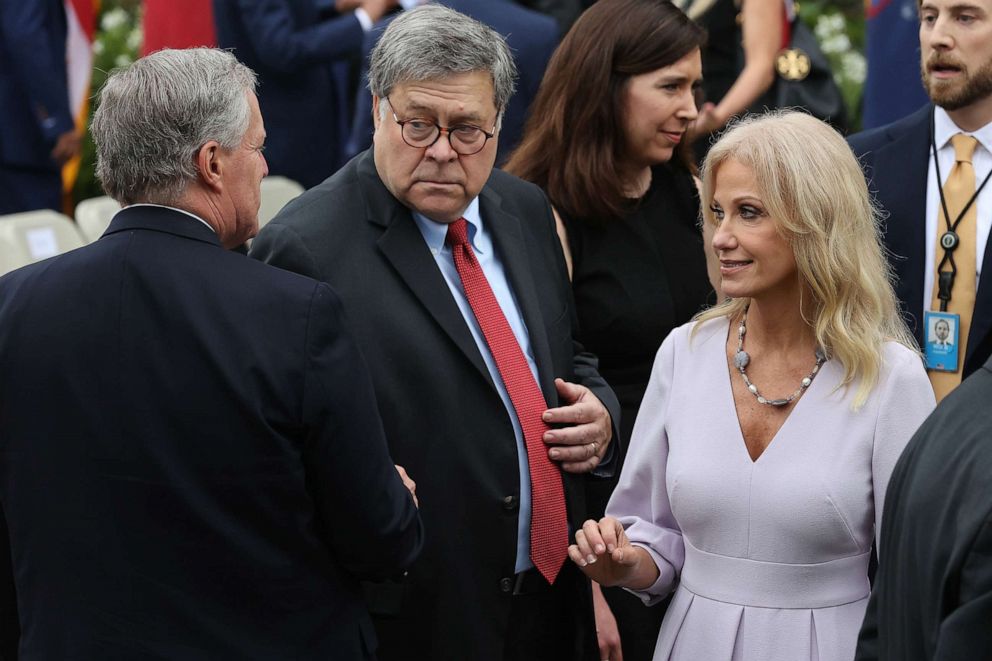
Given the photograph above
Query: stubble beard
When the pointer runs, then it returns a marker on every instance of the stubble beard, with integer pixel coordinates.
(954, 95)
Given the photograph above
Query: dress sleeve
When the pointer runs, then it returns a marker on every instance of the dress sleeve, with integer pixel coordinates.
(640, 501)
(906, 399)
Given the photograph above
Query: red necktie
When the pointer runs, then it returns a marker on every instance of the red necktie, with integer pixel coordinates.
(548, 522)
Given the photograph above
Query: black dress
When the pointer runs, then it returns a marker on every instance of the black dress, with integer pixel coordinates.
(635, 279)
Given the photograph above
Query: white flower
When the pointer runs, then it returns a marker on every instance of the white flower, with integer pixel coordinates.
(134, 38)
(113, 19)
(98, 47)
(854, 67)
(122, 60)
(839, 43)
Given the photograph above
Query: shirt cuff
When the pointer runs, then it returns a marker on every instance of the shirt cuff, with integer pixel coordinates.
(364, 19)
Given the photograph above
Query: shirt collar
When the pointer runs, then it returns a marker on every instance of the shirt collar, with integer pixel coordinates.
(163, 206)
(944, 129)
(434, 232)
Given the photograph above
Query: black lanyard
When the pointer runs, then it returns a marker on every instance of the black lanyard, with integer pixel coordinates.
(949, 240)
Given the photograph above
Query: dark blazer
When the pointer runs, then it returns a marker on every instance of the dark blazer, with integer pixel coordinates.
(191, 462)
(532, 38)
(444, 418)
(896, 159)
(932, 599)
(297, 54)
(34, 95)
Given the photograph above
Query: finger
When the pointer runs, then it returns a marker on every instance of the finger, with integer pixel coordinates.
(617, 654)
(576, 555)
(579, 467)
(579, 450)
(608, 527)
(625, 555)
(570, 414)
(584, 548)
(570, 392)
(593, 431)
(593, 537)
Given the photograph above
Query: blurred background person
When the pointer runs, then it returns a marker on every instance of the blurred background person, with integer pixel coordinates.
(759, 462)
(605, 140)
(37, 131)
(743, 38)
(301, 55)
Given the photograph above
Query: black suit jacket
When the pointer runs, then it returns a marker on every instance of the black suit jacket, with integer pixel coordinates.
(191, 461)
(444, 418)
(932, 599)
(896, 160)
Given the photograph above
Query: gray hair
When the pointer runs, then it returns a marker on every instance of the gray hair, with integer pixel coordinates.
(154, 115)
(432, 42)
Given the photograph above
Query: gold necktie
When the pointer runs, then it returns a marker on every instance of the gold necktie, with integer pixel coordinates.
(958, 190)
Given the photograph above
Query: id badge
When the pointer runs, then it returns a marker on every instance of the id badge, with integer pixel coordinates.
(942, 340)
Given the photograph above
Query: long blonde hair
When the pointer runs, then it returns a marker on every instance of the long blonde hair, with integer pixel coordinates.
(811, 183)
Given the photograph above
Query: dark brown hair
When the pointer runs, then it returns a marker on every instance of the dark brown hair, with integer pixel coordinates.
(574, 137)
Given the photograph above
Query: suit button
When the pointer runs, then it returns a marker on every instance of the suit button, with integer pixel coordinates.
(510, 503)
(506, 585)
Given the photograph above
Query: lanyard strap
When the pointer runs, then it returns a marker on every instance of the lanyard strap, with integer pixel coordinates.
(949, 240)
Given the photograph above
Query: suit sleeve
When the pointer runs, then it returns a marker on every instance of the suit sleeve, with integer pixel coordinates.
(967, 629)
(906, 401)
(285, 47)
(23, 26)
(640, 501)
(367, 516)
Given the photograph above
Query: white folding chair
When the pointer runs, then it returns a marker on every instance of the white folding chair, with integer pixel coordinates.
(276, 192)
(32, 236)
(93, 216)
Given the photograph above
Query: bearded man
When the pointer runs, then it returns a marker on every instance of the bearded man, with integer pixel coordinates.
(929, 173)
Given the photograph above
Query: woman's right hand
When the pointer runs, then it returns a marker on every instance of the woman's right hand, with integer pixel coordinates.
(604, 554)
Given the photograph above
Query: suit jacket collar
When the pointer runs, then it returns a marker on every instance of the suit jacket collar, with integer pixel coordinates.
(404, 247)
(161, 219)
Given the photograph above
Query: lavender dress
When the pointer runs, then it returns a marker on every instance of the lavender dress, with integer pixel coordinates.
(769, 557)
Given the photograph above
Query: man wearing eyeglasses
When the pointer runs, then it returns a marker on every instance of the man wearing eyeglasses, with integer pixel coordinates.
(454, 283)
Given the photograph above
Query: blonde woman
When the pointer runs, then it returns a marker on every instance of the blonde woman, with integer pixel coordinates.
(759, 460)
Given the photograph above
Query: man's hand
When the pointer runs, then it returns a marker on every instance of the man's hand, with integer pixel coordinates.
(604, 554)
(581, 443)
(376, 9)
(345, 6)
(66, 147)
(410, 485)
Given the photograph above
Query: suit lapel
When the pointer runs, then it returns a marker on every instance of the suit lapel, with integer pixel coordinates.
(513, 252)
(902, 192)
(981, 318)
(404, 248)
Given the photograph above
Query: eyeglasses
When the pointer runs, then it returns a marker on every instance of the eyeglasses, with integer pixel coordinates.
(421, 133)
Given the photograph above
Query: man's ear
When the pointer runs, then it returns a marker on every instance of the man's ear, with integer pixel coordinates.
(209, 164)
(376, 117)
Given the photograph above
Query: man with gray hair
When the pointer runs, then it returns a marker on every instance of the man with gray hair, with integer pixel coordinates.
(191, 460)
(456, 289)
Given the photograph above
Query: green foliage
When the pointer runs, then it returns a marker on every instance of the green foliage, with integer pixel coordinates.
(118, 40)
(840, 29)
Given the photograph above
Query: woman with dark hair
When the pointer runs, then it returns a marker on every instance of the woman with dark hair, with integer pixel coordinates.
(605, 140)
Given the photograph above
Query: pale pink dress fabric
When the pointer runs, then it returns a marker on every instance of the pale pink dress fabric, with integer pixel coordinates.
(769, 558)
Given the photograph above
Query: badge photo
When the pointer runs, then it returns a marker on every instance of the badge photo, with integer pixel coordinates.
(941, 340)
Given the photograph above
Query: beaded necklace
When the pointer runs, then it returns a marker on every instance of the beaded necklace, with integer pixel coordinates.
(741, 360)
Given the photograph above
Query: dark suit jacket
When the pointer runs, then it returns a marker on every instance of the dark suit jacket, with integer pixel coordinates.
(932, 599)
(296, 54)
(896, 159)
(191, 462)
(532, 38)
(444, 418)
